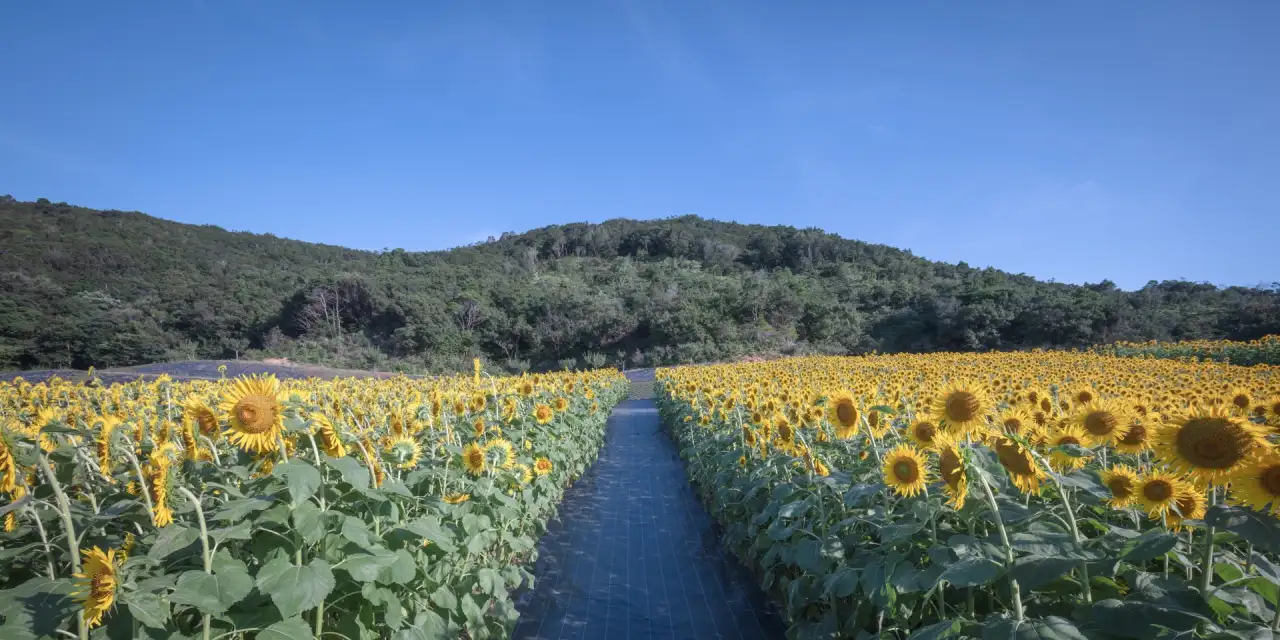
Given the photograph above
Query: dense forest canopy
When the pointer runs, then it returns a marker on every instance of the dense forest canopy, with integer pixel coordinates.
(82, 287)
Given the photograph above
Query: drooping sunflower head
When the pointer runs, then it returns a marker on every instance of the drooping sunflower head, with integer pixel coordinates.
(961, 407)
(1257, 485)
(783, 428)
(904, 470)
(96, 584)
(456, 498)
(1122, 481)
(1208, 443)
(199, 412)
(1019, 463)
(955, 478)
(473, 459)
(500, 453)
(843, 413)
(1062, 460)
(543, 413)
(330, 442)
(255, 414)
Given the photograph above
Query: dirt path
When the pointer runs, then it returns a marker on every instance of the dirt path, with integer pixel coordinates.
(634, 555)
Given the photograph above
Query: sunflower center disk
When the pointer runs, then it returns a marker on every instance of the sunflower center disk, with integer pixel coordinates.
(905, 471)
(1120, 487)
(1213, 443)
(255, 414)
(1100, 423)
(1157, 491)
(1270, 480)
(845, 413)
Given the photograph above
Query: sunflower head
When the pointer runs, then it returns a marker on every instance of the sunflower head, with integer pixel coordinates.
(456, 498)
(560, 404)
(904, 470)
(1101, 422)
(955, 478)
(255, 414)
(1257, 484)
(202, 415)
(1157, 492)
(1062, 461)
(473, 459)
(542, 466)
(1208, 443)
(96, 584)
(961, 407)
(843, 413)
(500, 453)
(1122, 481)
(923, 433)
(543, 413)
(1019, 463)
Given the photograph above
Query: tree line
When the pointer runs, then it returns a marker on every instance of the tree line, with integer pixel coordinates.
(82, 287)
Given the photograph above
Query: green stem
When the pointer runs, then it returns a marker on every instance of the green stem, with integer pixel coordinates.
(73, 545)
(1008, 548)
(1206, 560)
(1075, 535)
(143, 489)
(204, 544)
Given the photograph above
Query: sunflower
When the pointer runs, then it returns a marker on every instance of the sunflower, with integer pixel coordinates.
(456, 498)
(1017, 421)
(501, 452)
(1123, 483)
(783, 428)
(1102, 422)
(923, 433)
(1136, 439)
(543, 413)
(961, 407)
(1257, 485)
(330, 443)
(1062, 461)
(542, 466)
(821, 469)
(876, 425)
(202, 415)
(158, 478)
(1240, 400)
(478, 402)
(955, 480)
(1158, 491)
(904, 470)
(96, 584)
(844, 415)
(8, 465)
(404, 450)
(1208, 443)
(524, 472)
(473, 459)
(1191, 505)
(1019, 464)
(257, 419)
(560, 404)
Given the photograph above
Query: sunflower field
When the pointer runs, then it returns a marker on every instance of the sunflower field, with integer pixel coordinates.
(1264, 350)
(259, 508)
(998, 495)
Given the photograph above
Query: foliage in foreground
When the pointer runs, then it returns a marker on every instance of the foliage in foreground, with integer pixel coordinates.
(249, 508)
(81, 287)
(1028, 495)
(1264, 350)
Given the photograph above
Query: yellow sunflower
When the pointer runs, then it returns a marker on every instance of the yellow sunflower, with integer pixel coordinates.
(1208, 444)
(1191, 505)
(1102, 422)
(456, 498)
(542, 466)
(8, 465)
(904, 470)
(844, 415)
(1257, 485)
(96, 584)
(1123, 483)
(1158, 491)
(1059, 459)
(473, 459)
(923, 433)
(524, 472)
(203, 416)
(961, 407)
(955, 480)
(1136, 438)
(543, 413)
(404, 450)
(256, 417)
(560, 404)
(1019, 463)
(330, 443)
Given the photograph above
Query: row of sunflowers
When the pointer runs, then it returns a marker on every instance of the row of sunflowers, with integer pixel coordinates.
(269, 509)
(1000, 495)
(1264, 350)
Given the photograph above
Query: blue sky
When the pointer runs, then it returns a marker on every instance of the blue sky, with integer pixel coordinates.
(1075, 140)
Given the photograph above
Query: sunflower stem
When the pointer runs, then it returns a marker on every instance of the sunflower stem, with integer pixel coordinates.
(1206, 560)
(143, 489)
(73, 544)
(44, 539)
(206, 553)
(217, 460)
(1008, 548)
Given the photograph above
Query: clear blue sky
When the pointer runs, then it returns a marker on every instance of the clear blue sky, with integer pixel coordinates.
(1068, 140)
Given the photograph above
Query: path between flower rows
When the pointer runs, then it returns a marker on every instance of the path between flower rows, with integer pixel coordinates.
(634, 555)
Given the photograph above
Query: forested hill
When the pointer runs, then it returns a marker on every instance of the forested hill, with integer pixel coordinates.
(82, 287)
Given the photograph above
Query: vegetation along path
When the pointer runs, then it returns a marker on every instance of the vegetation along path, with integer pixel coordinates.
(634, 555)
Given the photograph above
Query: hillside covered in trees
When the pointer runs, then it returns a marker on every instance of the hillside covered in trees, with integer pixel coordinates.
(81, 287)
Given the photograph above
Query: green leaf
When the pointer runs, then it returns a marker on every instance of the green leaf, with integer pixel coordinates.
(214, 593)
(287, 629)
(301, 478)
(357, 532)
(883, 409)
(1033, 573)
(239, 531)
(938, 631)
(972, 572)
(365, 567)
(444, 599)
(172, 539)
(147, 608)
(1049, 628)
(402, 570)
(295, 589)
(1261, 529)
(308, 521)
(37, 608)
(1138, 619)
(237, 510)
(352, 471)
(490, 581)
(427, 625)
(1148, 546)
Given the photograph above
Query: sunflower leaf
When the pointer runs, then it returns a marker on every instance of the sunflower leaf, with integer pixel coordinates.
(301, 478)
(287, 629)
(1260, 529)
(1150, 545)
(296, 589)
